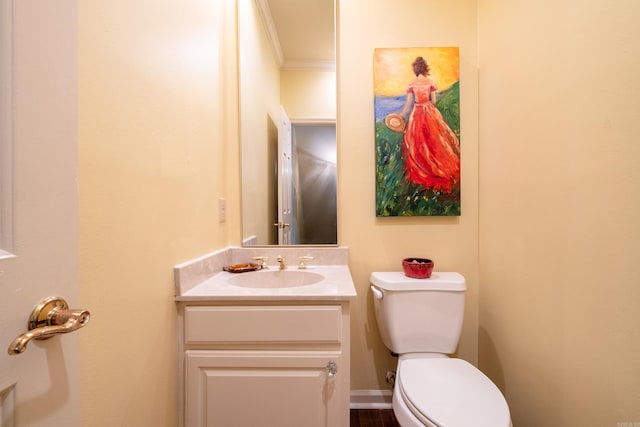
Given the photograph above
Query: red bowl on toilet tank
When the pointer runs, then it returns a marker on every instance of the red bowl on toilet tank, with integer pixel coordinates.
(417, 268)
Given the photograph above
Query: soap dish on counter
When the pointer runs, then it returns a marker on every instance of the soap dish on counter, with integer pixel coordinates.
(241, 268)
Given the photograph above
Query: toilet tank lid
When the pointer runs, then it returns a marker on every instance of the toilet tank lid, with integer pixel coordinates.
(439, 281)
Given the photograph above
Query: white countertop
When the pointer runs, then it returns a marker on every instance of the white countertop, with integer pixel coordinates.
(336, 286)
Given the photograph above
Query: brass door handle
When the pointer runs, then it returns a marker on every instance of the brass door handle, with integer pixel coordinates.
(50, 317)
(282, 225)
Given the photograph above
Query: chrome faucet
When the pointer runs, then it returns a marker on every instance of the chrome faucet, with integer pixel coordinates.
(282, 262)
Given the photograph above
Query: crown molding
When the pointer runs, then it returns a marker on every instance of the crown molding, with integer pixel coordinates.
(270, 28)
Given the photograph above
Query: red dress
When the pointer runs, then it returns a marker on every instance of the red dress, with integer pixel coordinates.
(431, 149)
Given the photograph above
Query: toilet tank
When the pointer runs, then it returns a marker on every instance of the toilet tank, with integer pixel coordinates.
(419, 315)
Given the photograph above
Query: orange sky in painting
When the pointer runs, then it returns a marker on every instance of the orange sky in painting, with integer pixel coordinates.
(392, 68)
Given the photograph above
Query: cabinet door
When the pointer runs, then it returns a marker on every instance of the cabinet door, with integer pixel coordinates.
(264, 388)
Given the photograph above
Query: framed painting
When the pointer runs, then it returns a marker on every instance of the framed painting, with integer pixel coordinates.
(417, 131)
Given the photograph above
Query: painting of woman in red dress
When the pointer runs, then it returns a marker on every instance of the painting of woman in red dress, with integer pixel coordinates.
(417, 113)
(431, 149)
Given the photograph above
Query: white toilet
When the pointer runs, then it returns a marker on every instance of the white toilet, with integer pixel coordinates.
(421, 321)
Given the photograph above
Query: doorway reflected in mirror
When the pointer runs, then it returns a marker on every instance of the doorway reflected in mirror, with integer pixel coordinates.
(314, 177)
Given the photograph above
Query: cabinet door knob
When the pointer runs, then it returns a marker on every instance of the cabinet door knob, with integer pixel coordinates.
(332, 368)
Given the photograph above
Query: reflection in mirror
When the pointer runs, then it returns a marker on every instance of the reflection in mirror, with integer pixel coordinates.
(286, 53)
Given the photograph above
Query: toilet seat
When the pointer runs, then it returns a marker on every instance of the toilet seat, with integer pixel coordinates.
(450, 392)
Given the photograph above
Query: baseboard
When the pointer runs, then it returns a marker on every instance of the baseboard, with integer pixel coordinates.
(371, 399)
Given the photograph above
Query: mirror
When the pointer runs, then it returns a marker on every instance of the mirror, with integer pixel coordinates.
(287, 78)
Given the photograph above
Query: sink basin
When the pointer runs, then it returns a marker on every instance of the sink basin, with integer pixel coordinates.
(276, 279)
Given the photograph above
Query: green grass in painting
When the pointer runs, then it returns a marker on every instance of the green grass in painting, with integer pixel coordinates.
(395, 196)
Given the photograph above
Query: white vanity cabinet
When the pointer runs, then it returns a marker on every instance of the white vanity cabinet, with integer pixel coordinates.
(265, 363)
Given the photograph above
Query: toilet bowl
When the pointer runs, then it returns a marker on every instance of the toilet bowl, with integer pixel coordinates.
(421, 321)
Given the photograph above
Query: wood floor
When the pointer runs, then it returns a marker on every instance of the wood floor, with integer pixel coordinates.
(373, 418)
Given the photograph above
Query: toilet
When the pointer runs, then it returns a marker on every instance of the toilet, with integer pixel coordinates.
(421, 321)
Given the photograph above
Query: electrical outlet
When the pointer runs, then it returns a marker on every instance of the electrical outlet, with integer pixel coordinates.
(222, 209)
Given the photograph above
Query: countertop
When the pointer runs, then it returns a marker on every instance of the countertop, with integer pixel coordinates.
(336, 286)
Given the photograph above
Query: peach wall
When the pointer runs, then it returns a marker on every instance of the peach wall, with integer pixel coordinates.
(259, 81)
(556, 184)
(152, 166)
(379, 244)
(309, 94)
(559, 202)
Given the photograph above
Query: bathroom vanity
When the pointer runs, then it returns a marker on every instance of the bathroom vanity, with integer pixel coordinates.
(267, 348)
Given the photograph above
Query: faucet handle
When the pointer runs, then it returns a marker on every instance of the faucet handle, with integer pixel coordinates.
(263, 259)
(302, 264)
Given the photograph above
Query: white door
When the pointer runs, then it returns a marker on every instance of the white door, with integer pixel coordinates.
(38, 207)
(285, 181)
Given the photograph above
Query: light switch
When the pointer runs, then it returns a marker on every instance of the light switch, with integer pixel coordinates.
(222, 209)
